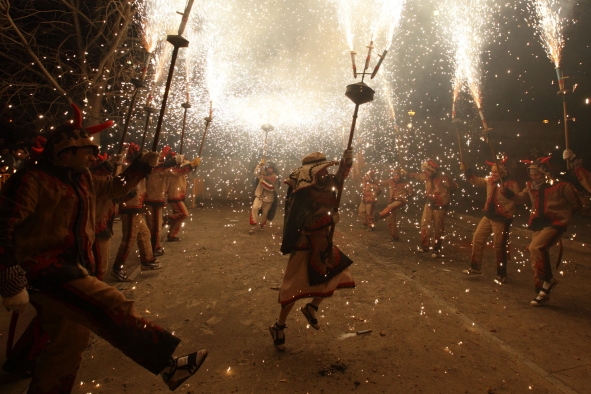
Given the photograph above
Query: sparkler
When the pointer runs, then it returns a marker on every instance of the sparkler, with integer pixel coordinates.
(468, 28)
(550, 25)
(208, 120)
(137, 83)
(178, 42)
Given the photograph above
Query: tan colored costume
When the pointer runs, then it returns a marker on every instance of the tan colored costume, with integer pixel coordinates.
(369, 197)
(154, 202)
(498, 215)
(399, 193)
(264, 195)
(438, 190)
(552, 206)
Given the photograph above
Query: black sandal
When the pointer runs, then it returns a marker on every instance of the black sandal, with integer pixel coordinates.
(176, 374)
(151, 265)
(311, 319)
(120, 276)
(278, 336)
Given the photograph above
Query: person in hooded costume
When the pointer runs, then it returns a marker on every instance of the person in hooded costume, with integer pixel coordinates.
(370, 191)
(105, 213)
(265, 196)
(498, 216)
(176, 193)
(552, 205)
(399, 192)
(134, 227)
(155, 198)
(47, 215)
(438, 190)
(315, 268)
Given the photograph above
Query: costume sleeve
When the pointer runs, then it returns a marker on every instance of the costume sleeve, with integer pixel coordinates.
(258, 171)
(477, 181)
(572, 196)
(417, 175)
(519, 197)
(583, 175)
(122, 184)
(18, 201)
(342, 172)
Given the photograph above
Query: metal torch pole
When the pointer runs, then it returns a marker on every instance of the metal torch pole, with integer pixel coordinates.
(186, 106)
(149, 112)
(563, 91)
(178, 41)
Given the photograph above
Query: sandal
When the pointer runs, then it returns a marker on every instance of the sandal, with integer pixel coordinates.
(501, 279)
(173, 239)
(120, 276)
(278, 336)
(182, 368)
(311, 319)
(472, 271)
(541, 299)
(151, 265)
(553, 283)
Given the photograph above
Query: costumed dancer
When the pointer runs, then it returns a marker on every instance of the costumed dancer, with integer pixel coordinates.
(155, 200)
(552, 206)
(265, 196)
(315, 267)
(583, 174)
(105, 214)
(134, 227)
(60, 194)
(370, 191)
(176, 193)
(498, 216)
(400, 192)
(438, 190)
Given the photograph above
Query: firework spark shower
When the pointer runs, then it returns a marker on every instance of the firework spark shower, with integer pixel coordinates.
(288, 63)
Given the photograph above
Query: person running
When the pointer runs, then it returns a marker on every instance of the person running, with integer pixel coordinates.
(315, 268)
(498, 216)
(552, 206)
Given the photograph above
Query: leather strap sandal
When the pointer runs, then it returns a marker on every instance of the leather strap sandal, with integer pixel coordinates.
(278, 336)
(120, 276)
(151, 265)
(311, 319)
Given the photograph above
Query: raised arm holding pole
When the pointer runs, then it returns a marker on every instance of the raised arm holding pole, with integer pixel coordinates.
(359, 93)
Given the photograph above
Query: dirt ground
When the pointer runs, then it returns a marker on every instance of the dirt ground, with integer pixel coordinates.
(433, 329)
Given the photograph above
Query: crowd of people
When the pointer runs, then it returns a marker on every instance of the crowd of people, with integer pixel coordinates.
(63, 183)
(551, 203)
(59, 271)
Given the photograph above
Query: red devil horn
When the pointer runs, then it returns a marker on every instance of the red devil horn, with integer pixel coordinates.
(490, 163)
(504, 160)
(77, 116)
(545, 160)
(40, 141)
(37, 150)
(99, 127)
(524, 161)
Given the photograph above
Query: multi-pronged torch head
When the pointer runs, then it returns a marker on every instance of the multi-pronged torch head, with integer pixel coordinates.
(359, 93)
